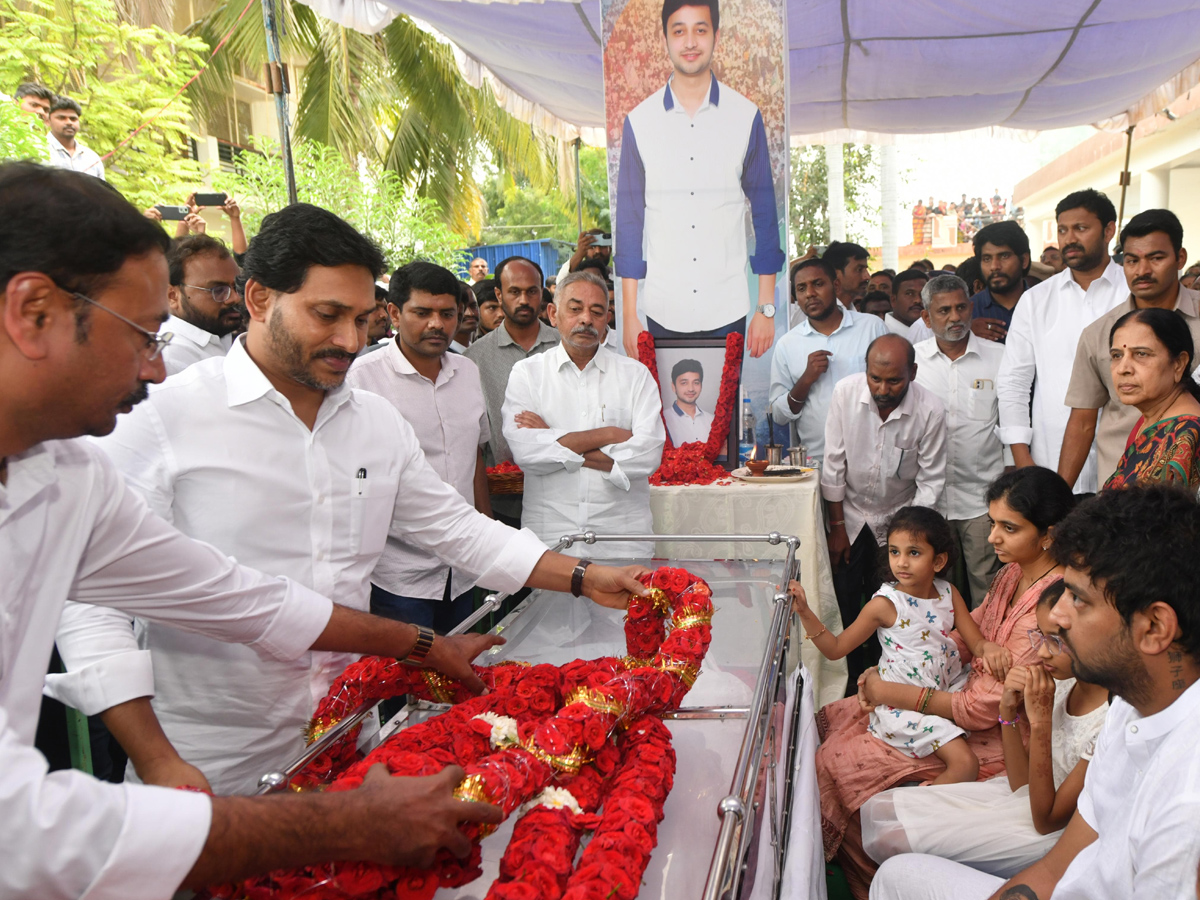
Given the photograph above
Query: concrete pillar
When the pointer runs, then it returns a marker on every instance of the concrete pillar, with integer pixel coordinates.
(835, 165)
(889, 185)
(1156, 189)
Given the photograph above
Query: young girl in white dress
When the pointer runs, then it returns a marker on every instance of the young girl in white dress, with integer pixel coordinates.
(913, 619)
(1007, 823)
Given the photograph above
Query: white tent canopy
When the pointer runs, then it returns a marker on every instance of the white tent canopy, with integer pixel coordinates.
(858, 68)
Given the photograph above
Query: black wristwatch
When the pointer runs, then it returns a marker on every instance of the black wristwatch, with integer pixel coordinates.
(577, 577)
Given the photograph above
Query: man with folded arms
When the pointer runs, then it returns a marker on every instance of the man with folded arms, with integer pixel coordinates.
(83, 285)
(585, 425)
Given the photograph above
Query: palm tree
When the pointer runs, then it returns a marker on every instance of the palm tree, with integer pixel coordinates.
(397, 97)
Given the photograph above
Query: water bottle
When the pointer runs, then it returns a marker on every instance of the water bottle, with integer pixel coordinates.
(748, 440)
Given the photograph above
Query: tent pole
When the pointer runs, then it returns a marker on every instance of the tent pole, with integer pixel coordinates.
(578, 190)
(1125, 177)
(277, 84)
(835, 185)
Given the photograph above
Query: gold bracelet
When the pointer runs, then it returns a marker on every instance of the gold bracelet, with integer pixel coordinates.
(813, 637)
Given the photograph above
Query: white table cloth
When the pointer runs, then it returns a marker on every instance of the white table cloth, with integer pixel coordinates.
(740, 507)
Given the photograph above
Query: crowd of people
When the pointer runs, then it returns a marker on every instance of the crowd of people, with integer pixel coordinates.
(61, 117)
(289, 403)
(968, 216)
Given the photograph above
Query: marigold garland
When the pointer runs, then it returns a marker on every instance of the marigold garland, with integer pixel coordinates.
(580, 745)
(693, 463)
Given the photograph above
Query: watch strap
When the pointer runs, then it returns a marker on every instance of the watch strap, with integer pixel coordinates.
(577, 577)
(421, 648)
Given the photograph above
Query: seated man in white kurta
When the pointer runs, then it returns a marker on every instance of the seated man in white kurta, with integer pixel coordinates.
(586, 427)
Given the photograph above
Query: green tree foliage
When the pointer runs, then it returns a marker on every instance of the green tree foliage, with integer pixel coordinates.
(372, 199)
(519, 211)
(22, 136)
(396, 97)
(121, 74)
(808, 204)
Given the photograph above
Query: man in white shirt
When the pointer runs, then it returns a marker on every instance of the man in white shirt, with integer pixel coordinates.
(592, 244)
(478, 269)
(65, 151)
(586, 427)
(907, 307)
(203, 299)
(83, 286)
(829, 344)
(1131, 621)
(694, 155)
(687, 422)
(960, 369)
(897, 431)
(332, 473)
(468, 319)
(849, 262)
(1045, 329)
(1153, 255)
(440, 396)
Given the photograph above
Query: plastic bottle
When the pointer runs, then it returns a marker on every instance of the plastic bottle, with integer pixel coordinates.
(748, 439)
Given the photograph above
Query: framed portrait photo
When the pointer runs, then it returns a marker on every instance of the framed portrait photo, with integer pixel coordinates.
(689, 374)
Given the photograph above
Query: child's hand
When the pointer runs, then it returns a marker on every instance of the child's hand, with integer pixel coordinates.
(1014, 692)
(799, 598)
(996, 659)
(1039, 696)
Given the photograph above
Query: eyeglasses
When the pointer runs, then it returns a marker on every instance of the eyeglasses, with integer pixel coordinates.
(1053, 641)
(154, 342)
(220, 294)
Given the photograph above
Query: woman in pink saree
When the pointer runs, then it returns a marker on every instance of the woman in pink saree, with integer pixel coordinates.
(853, 765)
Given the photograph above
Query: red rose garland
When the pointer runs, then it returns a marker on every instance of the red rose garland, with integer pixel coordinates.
(602, 763)
(693, 463)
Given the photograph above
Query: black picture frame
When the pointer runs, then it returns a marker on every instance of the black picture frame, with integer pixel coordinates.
(710, 353)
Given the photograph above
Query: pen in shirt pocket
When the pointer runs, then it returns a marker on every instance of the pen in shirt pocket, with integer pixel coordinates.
(602, 412)
(360, 480)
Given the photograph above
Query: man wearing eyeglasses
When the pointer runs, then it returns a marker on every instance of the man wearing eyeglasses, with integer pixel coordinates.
(204, 304)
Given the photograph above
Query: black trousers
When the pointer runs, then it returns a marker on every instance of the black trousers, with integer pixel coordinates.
(658, 331)
(854, 583)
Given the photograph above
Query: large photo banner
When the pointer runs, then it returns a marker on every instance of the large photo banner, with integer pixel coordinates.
(696, 118)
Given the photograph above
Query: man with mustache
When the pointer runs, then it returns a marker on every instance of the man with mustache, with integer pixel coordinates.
(885, 448)
(1130, 619)
(1045, 330)
(906, 304)
(585, 425)
(828, 344)
(468, 319)
(1002, 251)
(66, 151)
(267, 455)
(1152, 242)
(960, 369)
(519, 335)
(205, 306)
(440, 395)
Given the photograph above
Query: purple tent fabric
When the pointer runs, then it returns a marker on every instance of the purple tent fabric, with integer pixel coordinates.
(920, 66)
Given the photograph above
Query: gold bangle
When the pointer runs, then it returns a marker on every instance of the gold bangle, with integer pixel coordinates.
(813, 637)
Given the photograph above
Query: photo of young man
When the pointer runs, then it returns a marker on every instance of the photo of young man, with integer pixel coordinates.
(686, 421)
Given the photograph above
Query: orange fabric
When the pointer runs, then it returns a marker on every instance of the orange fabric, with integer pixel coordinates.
(853, 766)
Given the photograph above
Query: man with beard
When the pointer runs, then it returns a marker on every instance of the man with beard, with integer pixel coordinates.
(585, 425)
(66, 150)
(1002, 250)
(819, 351)
(897, 432)
(1130, 619)
(1152, 242)
(268, 456)
(439, 394)
(205, 305)
(468, 319)
(849, 264)
(521, 334)
(960, 369)
(1045, 329)
(379, 327)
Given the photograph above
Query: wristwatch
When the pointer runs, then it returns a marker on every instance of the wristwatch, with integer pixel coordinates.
(767, 309)
(421, 648)
(577, 577)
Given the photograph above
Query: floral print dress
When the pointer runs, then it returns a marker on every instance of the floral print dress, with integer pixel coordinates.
(918, 650)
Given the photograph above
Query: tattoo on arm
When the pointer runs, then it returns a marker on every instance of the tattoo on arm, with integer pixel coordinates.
(1019, 892)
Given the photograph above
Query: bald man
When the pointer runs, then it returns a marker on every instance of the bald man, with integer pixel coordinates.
(898, 431)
